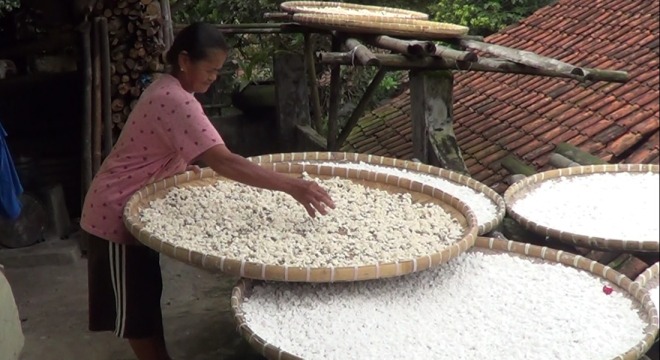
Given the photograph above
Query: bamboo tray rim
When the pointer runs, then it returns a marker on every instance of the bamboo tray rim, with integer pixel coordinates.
(253, 270)
(305, 7)
(583, 240)
(380, 24)
(648, 274)
(632, 288)
(418, 167)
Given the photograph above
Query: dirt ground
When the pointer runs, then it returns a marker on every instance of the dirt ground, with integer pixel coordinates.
(49, 281)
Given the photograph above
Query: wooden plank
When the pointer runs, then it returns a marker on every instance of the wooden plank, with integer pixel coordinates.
(312, 82)
(335, 94)
(432, 114)
(106, 92)
(515, 166)
(560, 161)
(360, 107)
(310, 140)
(97, 123)
(292, 95)
(581, 157)
(524, 57)
(86, 128)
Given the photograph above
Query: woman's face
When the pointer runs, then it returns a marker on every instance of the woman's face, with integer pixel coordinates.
(197, 76)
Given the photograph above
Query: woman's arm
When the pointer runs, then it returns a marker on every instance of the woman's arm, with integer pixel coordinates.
(312, 196)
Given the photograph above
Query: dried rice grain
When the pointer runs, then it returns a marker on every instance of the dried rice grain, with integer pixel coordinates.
(622, 206)
(484, 208)
(477, 306)
(229, 219)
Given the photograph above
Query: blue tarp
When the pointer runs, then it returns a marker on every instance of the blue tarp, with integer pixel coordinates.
(10, 186)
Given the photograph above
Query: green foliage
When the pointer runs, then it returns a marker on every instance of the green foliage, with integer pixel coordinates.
(485, 17)
(8, 5)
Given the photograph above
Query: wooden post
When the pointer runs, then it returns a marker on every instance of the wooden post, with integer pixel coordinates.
(97, 122)
(335, 93)
(292, 95)
(360, 107)
(434, 141)
(106, 86)
(86, 127)
(313, 82)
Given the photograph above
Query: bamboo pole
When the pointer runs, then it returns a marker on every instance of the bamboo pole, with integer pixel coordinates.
(400, 62)
(411, 47)
(313, 83)
(106, 85)
(361, 52)
(86, 127)
(524, 57)
(97, 123)
(168, 31)
(360, 107)
(449, 53)
(335, 92)
(559, 161)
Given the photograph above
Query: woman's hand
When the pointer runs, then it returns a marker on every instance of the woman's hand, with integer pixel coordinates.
(193, 168)
(312, 196)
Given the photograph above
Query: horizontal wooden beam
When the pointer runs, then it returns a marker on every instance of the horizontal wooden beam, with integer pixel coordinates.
(402, 62)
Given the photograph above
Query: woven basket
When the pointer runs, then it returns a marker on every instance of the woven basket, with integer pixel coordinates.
(242, 268)
(382, 25)
(648, 274)
(514, 192)
(412, 166)
(319, 7)
(244, 287)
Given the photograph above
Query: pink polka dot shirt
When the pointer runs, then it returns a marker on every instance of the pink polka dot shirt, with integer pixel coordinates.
(166, 131)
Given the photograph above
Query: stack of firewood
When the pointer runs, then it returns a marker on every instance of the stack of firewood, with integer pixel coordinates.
(137, 42)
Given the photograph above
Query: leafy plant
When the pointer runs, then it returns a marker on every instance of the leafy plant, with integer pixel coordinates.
(485, 17)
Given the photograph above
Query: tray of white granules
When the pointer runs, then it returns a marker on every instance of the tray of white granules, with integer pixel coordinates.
(487, 205)
(649, 279)
(607, 207)
(383, 226)
(381, 25)
(328, 7)
(499, 300)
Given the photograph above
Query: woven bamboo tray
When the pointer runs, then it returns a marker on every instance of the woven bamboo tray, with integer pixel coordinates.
(648, 274)
(523, 187)
(242, 268)
(244, 287)
(382, 25)
(412, 166)
(325, 7)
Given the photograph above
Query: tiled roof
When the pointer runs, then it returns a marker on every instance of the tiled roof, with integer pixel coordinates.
(499, 114)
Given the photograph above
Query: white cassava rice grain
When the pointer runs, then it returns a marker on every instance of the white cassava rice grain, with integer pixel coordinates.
(477, 306)
(369, 225)
(621, 206)
(484, 208)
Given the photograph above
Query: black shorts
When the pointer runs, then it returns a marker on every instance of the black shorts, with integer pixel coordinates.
(125, 288)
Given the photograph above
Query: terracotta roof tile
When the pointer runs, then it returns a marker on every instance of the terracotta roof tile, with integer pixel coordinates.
(496, 113)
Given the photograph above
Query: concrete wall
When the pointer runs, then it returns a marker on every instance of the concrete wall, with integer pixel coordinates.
(11, 333)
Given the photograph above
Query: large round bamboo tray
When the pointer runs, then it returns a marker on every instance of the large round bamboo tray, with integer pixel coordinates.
(239, 267)
(649, 274)
(382, 25)
(618, 281)
(452, 176)
(523, 187)
(326, 7)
